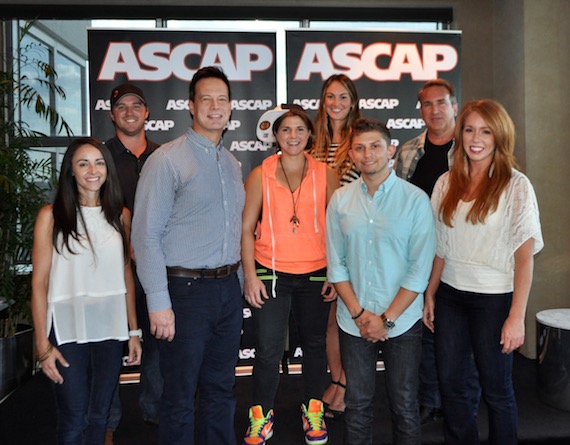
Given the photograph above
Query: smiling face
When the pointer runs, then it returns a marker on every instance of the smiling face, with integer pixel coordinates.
(89, 169)
(292, 135)
(129, 115)
(337, 101)
(437, 110)
(478, 140)
(211, 108)
(371, 154)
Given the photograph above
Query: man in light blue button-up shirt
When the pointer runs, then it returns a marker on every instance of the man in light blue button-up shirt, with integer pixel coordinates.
(186, 238)
(380, 249)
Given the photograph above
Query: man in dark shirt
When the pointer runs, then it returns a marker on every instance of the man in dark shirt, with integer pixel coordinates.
(421, 161)
(130, 149)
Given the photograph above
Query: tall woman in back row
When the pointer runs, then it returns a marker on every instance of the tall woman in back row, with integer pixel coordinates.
(83, 301)
(338, 110)
(488, 230)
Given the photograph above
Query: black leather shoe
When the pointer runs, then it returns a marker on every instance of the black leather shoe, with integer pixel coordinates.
(428, 414)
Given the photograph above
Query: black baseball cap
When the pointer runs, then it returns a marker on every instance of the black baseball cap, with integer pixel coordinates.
(124, 90)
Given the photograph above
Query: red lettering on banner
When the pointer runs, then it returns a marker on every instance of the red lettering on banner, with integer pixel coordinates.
(421, 61)
(158, 61)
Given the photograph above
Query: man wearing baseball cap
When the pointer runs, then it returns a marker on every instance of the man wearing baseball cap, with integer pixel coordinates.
(131, 148)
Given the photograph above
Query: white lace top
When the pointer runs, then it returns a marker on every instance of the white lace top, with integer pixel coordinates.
(86, 294)
(480, 257)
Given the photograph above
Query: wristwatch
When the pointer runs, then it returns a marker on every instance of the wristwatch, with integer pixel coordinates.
(135, 333)
(388, 324)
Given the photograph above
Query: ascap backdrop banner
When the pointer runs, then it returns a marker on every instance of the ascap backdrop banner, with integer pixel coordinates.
(388, 68)
(162, 63)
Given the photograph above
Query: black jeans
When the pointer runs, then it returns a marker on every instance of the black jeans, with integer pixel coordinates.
(301, 295)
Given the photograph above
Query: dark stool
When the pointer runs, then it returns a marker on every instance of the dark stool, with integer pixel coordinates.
(553, 350)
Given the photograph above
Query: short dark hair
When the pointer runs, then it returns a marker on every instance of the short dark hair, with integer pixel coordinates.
(438, 83)
(204, 73)
(366, 124)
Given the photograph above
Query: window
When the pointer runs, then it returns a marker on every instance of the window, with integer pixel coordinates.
(70, 65)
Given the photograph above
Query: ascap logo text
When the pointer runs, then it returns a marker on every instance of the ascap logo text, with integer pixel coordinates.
(158, 61)
(379, 61)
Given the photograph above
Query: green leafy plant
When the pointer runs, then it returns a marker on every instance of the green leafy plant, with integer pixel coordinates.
(23, 180)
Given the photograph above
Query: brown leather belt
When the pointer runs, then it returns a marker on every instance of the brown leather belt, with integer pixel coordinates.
(220, 272)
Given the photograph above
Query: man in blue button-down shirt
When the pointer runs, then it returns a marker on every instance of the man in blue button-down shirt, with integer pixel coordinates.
(380, 249)
(186, 239)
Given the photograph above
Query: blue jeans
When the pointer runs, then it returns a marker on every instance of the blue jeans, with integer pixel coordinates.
(300, 295)
(402, 361)
(201, 361)
(84, 398)
(429, 383)
(469, 323)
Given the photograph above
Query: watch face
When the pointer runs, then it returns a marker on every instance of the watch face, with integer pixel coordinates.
(388, 324)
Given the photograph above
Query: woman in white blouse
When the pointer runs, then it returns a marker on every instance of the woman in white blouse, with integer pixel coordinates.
(488, 230)
(83, 301)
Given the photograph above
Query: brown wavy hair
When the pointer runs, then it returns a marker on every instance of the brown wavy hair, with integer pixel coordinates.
(324, 131)
(499, 172)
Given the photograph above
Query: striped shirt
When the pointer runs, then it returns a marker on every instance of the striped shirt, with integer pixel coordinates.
(351, 174)
(189, 202)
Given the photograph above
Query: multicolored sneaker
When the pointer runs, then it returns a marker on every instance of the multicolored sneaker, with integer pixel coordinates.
(260, 427)
(314, 423)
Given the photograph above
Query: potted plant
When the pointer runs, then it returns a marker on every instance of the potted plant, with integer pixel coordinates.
(23, 183)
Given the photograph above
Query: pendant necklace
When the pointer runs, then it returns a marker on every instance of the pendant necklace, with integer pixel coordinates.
(294, 219)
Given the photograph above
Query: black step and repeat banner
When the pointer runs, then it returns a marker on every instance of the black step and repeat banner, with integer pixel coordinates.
(388, 68)
(162, 64)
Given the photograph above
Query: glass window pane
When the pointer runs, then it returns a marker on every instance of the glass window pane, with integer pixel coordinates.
(70, 75)
(32, 50)
(408, 26)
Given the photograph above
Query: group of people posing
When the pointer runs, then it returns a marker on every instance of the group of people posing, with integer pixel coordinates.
(336, 229)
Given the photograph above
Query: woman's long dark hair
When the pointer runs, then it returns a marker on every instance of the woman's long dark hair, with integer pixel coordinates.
(67, 207)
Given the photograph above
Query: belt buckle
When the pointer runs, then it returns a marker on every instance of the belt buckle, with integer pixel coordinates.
(223, 271)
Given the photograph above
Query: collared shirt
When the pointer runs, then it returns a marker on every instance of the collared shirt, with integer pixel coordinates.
(409, 155)
(129, 167)
(189, 203)
(380, 244)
